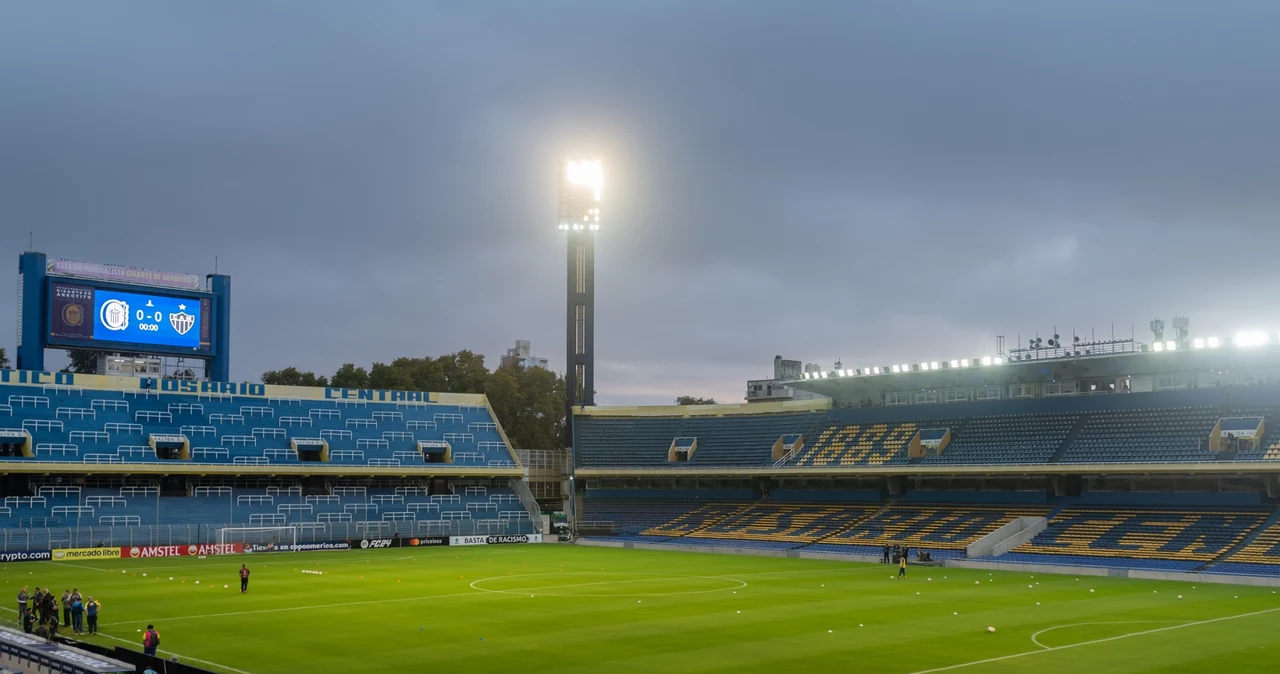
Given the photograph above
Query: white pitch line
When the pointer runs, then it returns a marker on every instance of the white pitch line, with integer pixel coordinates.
(181, 657)
(1113, 622)
(1090, 643)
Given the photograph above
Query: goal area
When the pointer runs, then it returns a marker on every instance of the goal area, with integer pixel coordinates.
(282, 538)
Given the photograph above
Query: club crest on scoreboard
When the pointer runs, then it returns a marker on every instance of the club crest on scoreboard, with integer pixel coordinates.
(73, 315)
(182, 321)
(115, 315)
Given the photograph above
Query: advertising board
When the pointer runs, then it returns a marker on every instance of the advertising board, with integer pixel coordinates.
(73, 554)
(194, 550)
(495, 540)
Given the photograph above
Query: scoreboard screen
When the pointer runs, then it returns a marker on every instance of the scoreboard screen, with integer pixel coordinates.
(92, 315)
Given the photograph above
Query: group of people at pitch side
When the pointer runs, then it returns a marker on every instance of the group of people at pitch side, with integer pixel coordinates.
(38, 612)
(898, 555)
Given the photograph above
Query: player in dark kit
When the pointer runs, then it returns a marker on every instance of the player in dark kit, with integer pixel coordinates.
(244, 579)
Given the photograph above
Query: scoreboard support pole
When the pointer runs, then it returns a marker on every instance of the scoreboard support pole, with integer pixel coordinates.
(220, 364)
(32, 270)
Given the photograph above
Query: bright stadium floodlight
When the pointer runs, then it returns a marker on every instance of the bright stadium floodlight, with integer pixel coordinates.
(998, 360)
(840, 372)
(824, 375)
(1212, 342)
(1251, 338)
(1198, 343)
(897, 368)
(876, 370)
(587, 173)
(964, 362)
(1170, 346)
(986, 360)
(955, 363)
(934, 365)
(1157, 347)
(906, 368)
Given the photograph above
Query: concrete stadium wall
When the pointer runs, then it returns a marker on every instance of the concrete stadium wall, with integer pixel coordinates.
(1136, 574)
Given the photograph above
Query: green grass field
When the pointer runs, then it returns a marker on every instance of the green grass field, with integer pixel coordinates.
(560, 608)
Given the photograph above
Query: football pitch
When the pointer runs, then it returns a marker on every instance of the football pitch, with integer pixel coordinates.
(562, 608)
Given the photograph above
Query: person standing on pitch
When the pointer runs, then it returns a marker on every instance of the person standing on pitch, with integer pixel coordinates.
(77, 616)
(22, 601)
(66, 608)
(150, 641)
(91, 612)
(902, 566)
(244, 579)
(37, 603)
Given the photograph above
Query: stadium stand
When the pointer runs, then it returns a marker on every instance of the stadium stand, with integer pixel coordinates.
(1165, 539)
(137, 513)
(69, 424)
(1259, 555)
(943, 529)
(1159, 427)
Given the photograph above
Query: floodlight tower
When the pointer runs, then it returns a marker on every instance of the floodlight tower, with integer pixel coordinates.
(581, 184)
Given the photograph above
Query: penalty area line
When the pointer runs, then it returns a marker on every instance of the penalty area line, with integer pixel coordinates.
(1093, 642)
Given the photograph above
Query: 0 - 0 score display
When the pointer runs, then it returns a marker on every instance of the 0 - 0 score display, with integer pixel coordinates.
(107, 315)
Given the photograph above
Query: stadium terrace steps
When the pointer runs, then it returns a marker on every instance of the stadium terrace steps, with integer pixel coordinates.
(1262, 547)
(932, 527)
(1072, 435)
(1245, 542)
(1193, 537)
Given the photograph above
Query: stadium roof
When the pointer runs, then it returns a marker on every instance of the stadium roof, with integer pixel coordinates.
(853, 386)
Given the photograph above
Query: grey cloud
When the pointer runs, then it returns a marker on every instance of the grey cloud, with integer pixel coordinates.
(867, 181)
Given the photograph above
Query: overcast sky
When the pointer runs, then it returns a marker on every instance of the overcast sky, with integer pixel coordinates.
(873, 181)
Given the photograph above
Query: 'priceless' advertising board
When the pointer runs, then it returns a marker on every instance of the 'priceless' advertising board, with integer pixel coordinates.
(375, 543)
(69, 554)
(495, 540)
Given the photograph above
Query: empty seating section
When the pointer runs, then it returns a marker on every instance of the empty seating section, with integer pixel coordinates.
(88, 426)
(1169, 539)
(630, 517)
(691, 521)
(645, 441)
(1167, 426)
(857, 444)
(1260, 557)
(1269, 447)
(1145, 435)
(782, 523)
(944, 530)
(1012, 438)
(470, 509)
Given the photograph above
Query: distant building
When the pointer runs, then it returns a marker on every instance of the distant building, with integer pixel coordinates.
(772, 390)
(520, 356)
